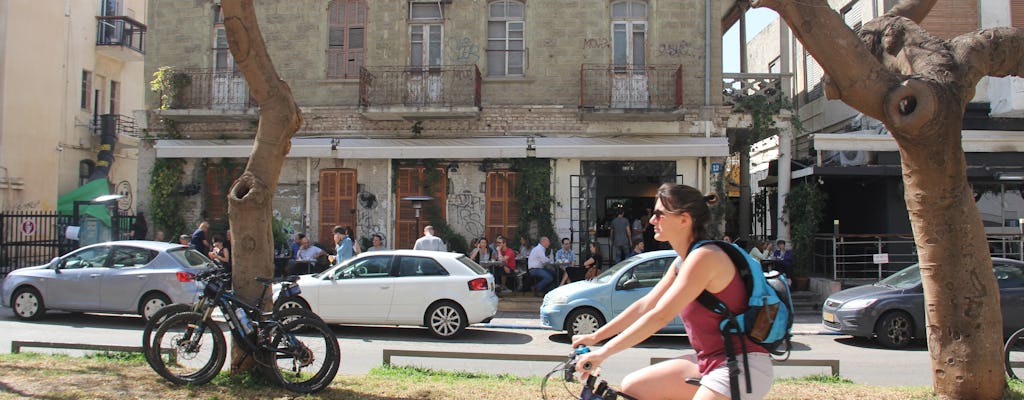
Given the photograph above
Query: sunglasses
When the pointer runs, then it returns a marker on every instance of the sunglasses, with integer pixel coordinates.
(659, 214)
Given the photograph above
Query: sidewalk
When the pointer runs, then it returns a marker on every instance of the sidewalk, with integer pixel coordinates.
(803, 323)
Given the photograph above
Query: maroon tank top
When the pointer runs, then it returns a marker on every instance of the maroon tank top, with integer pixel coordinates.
(702, 327)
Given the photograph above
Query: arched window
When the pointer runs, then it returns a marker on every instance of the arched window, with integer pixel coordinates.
(629, 33)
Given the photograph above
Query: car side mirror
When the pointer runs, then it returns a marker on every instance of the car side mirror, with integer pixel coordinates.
(630, 284)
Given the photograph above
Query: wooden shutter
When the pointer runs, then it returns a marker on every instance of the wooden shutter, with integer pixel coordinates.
(337, 202)
(502, 215)
(219, 178)
(411, 182)
(1017, 13)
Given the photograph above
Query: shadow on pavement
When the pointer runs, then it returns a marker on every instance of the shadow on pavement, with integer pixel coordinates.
(406, 333)
(865, 343)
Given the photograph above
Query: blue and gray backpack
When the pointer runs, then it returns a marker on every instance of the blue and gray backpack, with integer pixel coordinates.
(769, 319)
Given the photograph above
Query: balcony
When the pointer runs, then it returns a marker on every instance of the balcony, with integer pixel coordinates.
(617, 92)
(736, 86)
(121, 38)
(120, 125)
(210, 94)
(416, 93)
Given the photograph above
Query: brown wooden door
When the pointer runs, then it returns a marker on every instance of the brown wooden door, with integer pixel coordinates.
(411, 182)
(337, 202)
(502, 204)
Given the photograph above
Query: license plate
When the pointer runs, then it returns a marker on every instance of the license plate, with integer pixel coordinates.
(829, 317)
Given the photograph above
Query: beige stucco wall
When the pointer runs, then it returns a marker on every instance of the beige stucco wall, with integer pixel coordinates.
(44, 132)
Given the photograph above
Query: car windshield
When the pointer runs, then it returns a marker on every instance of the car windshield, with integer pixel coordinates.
(905, 279)
(190, 257)
(473, 265)
(607, 275)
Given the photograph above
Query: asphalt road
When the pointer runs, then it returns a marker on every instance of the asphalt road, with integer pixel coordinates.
(860, 360)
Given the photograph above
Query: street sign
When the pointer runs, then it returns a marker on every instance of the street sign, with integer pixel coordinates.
(716, 168)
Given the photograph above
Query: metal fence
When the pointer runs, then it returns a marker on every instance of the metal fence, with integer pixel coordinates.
(854, 259)
(35, 237)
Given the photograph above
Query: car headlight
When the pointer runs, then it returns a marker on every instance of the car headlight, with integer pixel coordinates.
(857, 304)
(557, 300)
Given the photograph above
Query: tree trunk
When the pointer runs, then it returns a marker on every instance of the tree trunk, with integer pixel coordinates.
(919, 86)
(250, 200)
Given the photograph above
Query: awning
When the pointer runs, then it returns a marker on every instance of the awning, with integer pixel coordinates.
(496, 147)
(632, 148)
(972, 141)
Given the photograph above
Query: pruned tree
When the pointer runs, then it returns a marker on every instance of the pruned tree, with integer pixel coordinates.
(250, 200)
(919, 86)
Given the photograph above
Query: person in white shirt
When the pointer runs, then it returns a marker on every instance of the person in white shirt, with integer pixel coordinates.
(536, 263)
(428, 241)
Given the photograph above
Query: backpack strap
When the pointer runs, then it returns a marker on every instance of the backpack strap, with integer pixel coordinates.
(731, 327)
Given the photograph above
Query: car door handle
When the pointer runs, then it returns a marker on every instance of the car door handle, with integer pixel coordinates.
(94, 275)
(141, 276)
(385, 287)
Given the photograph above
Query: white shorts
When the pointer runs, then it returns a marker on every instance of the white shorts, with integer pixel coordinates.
(761, 377)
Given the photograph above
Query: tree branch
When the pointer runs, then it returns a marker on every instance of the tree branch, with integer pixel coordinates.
(914, 10)
(856, 77)
(989, 52)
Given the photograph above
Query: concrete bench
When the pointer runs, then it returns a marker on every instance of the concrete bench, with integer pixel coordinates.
(16, 346)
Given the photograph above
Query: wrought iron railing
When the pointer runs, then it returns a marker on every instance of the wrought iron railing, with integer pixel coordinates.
(214, 89)
(852, 258)
(121, 124)
(741, 85)
(652, 87)
(121, 31)
(444, 86)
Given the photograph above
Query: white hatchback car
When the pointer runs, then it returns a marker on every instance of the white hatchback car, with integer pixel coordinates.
(125, 277)
(445, 292)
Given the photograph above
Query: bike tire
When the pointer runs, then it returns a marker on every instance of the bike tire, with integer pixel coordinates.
(319, 355)
(154, 322)
(1014, 353)
(554, 386)
(196, 362)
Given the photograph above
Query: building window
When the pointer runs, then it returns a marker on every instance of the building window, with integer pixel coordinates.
(86, 96)
(852, 15)
(115, 97)
(426, 11)
(629, 33)
(345, 41)
(775, 67)
(425, 45)
(505, 44)
(813, 76)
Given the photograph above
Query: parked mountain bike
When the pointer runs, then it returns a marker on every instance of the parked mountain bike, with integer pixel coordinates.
(572, 388)
(1014, 351)
(296, 349)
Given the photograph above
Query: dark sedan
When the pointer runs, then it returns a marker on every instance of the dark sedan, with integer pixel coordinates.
(893, 309)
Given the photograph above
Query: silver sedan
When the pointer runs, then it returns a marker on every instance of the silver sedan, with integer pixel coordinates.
(124, 277)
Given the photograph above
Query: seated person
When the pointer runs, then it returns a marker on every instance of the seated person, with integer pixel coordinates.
(306, 257)
(481, 253)
(592, 262)
(638, 247)
(508, 258)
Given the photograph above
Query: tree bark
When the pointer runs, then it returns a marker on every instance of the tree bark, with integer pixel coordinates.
(919, 86)
(250, 200)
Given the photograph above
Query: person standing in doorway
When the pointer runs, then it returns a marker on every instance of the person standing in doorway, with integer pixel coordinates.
(428, 241)
(621, 234)
(342, 246)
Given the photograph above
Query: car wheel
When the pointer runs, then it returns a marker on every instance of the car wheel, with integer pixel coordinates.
(291, 303)
(152, 303)
(583, 321)
(895, 329)
(445, 320)
(27, 304)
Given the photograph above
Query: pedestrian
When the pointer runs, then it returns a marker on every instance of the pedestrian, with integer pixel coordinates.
(220, 254)
(199, 239)
(343, 247)
(638, 247)
(592, 261)
(185, 240)
(536, 266)
(139, 228)
(378, 243)
(681, 214)
(159, 236)
(428, 241)
(621, 234)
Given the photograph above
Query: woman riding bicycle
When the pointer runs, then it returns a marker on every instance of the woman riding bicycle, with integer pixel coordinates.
(680, 215)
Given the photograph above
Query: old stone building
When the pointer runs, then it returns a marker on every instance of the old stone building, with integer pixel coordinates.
(458, 100)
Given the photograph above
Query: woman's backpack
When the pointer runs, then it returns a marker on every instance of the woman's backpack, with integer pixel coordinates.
(769, 319)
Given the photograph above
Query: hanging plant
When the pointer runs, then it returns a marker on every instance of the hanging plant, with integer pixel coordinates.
(805, 205)
(169, 84)
(535, 200)
(166, 203)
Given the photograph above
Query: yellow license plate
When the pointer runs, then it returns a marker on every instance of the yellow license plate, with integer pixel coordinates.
(827, 316)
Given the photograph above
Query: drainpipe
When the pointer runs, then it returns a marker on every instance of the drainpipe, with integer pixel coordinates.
(707, 53)
(785, 176)
(309, 191)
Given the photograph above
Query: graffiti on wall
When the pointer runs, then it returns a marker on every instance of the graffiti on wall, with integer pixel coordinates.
(602, 43)
(677, 49)
(372, 213)
(25, 206)
(463, 51)
(468, 215)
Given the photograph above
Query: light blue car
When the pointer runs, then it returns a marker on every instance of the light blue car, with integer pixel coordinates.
(582, 307)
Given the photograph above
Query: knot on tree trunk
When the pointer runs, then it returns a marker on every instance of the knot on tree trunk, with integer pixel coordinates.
(248, 191)
(910, 106)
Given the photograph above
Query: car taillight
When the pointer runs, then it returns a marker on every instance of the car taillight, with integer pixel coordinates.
(185, 276)
(478, 284)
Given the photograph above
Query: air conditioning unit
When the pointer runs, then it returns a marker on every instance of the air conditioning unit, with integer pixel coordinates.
(850, 158)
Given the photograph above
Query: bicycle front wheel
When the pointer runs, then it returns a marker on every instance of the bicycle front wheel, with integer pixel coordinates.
(303, 355)
(1014, 351)
(154, 322)
(191, 350)
(561, 384)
